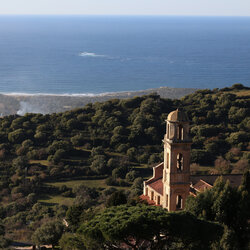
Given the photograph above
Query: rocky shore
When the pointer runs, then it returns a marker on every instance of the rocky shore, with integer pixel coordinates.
(21, 104)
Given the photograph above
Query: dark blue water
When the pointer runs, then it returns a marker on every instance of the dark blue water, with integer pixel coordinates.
(107, 54)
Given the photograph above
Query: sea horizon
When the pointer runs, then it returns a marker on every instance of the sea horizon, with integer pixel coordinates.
(98, 54)
(122, 15)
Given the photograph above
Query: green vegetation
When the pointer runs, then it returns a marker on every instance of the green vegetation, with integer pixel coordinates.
(148, 226)
(227, 205)
(48, 233)
(215, 219)
(89, 183)
(81, 157)
(55, 200)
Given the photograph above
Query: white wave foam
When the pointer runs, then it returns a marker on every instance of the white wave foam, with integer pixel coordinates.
(90, 54)
(63, 94)
(48, 94)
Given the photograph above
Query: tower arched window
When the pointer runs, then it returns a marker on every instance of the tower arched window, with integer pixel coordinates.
(179, 202)
(180, 132)
(168, 131)
(180, 162)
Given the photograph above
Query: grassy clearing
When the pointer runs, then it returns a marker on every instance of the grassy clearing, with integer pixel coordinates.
(50, 200)
(87, 183)
(42, 162)
(75, 183)
(53, 200)
(83, 149)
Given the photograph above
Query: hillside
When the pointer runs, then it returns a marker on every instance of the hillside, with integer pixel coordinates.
(49, 162)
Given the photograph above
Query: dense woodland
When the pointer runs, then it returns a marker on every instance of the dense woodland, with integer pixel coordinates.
(118, 142)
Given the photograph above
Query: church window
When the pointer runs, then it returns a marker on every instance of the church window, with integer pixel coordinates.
(168, 131)
(158, 200)
(167, 200)
(180, 132)
(152, 195)
(179, 162)
(179, 202)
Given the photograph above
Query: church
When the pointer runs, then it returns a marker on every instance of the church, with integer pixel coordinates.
(172, 183)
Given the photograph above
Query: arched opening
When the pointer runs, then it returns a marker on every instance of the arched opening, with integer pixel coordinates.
(179, 202)
(158, 200)
(180, 132)
(179, 162)
(152, 195)
(168, 131)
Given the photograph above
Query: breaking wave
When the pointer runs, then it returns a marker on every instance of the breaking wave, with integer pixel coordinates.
(94, 55)
(48, 94)
(90, 54)
(15, 94)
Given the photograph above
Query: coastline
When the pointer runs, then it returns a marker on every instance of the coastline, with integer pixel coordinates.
(21, 103)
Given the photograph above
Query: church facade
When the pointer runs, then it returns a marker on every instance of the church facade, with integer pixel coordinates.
(172, 183)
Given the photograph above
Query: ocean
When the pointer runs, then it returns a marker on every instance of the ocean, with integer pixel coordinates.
(99, 54)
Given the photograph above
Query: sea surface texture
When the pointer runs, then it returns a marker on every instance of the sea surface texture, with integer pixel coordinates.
(87, 54)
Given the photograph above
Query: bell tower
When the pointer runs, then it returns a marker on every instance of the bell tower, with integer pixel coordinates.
(176, 170)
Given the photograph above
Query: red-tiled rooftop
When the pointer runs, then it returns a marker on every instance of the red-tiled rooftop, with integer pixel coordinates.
(235, 179)
(146, 198)
(157, 186)
(201, 186)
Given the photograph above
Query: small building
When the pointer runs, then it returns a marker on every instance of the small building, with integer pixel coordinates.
(172, 183)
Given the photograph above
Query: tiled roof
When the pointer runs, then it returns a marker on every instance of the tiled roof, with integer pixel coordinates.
(157, 173)
(201, 186)
(157, 185)
(235, 179)
(146, 198)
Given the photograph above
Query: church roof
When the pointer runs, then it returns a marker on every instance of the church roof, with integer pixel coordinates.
(199, 182)
(157, 186)
(178, 115)
(146, 198)
(235, 179)
(201, 186)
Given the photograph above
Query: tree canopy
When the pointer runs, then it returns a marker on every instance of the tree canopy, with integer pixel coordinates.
(118, 141)
(49, 233)
(135, 226)
(227, 205)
